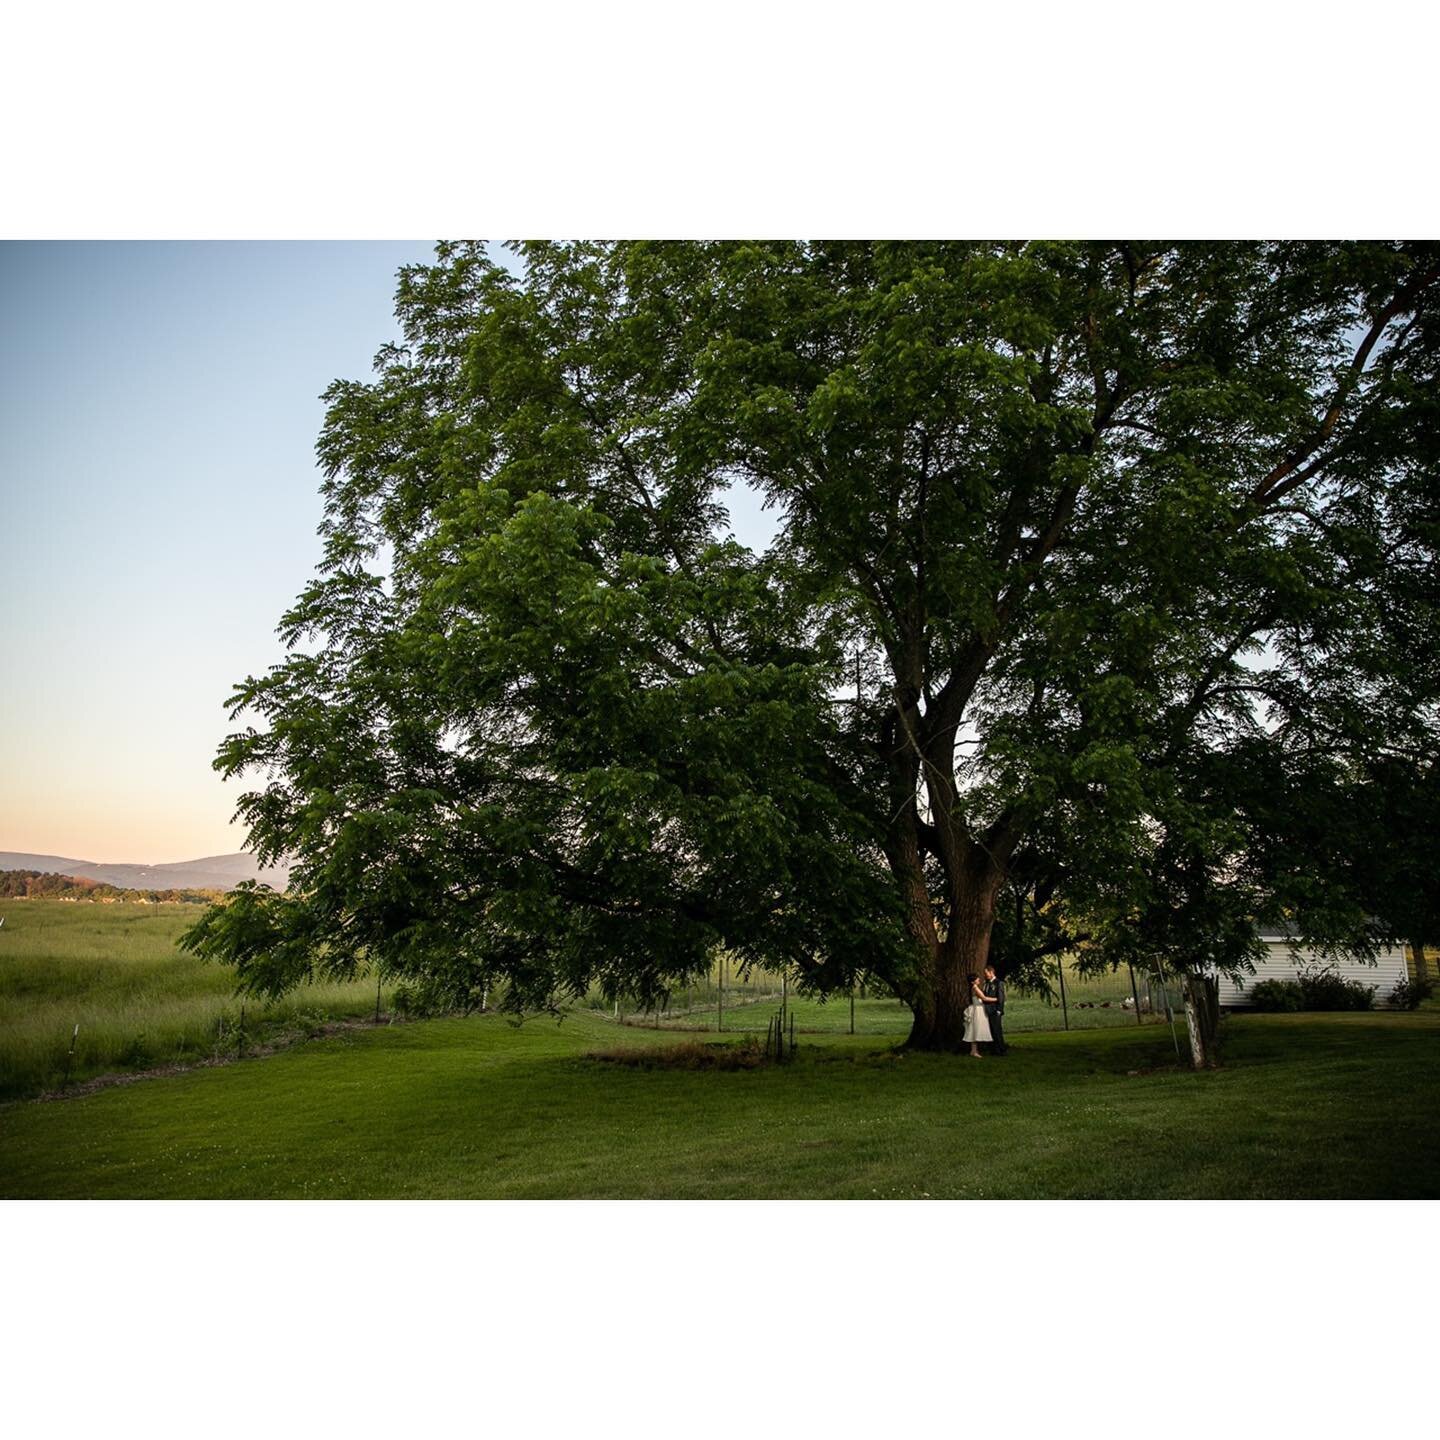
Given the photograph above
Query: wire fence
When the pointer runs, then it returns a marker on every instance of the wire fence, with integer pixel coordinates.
(1077, 1000)
(727, 1001)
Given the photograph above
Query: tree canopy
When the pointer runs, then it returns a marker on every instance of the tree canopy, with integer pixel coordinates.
(1065, 531)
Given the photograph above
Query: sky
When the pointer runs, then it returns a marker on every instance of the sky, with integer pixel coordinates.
(159, 499)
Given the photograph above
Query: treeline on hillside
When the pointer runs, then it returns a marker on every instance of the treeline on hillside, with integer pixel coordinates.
(45, 885)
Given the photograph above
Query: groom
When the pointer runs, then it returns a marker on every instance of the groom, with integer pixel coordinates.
(994, 991)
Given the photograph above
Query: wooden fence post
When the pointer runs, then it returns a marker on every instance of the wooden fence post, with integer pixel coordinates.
(1202, 1015)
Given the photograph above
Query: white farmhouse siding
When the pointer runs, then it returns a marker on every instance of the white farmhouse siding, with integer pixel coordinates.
(1283, 963)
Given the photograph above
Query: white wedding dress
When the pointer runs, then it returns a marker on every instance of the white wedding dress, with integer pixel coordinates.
(977, 1024)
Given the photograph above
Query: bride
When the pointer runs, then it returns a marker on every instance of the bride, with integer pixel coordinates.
(977, 1023)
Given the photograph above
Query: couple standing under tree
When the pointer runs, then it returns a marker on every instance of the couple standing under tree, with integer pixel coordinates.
(984, 1016)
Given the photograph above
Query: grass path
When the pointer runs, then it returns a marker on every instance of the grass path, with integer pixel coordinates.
(1309, 1105)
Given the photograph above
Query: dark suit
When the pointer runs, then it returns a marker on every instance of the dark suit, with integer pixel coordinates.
(995, 1013)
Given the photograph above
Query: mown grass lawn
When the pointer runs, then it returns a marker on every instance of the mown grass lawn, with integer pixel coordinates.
(1309, 1105)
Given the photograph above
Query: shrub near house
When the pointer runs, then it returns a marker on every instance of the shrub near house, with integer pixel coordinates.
(1278, 995)
(1324, 990)
(1411, 994)
(1314, 990)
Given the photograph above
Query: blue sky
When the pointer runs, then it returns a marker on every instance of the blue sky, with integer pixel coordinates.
(159, 405)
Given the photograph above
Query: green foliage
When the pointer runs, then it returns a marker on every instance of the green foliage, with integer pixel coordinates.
(428, 997)
(1411, 994)
(1066, 532)
(1315, 990)
(1277, 995)
(270, 939)
(1325, 990)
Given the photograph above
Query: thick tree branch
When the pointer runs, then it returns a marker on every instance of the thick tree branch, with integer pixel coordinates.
(1284, 477)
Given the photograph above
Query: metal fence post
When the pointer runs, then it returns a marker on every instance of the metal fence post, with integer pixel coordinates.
(1169, 1010)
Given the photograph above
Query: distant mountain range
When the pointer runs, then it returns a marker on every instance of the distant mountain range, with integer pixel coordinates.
(214, 872)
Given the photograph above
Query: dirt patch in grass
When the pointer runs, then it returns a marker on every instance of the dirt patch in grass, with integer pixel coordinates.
(749, 1054)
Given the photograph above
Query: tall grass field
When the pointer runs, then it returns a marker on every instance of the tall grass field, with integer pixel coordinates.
(114, 971)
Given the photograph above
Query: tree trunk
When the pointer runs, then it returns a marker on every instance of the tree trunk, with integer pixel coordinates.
(1417, 950)
(1202, 1018)
(939, 1022)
